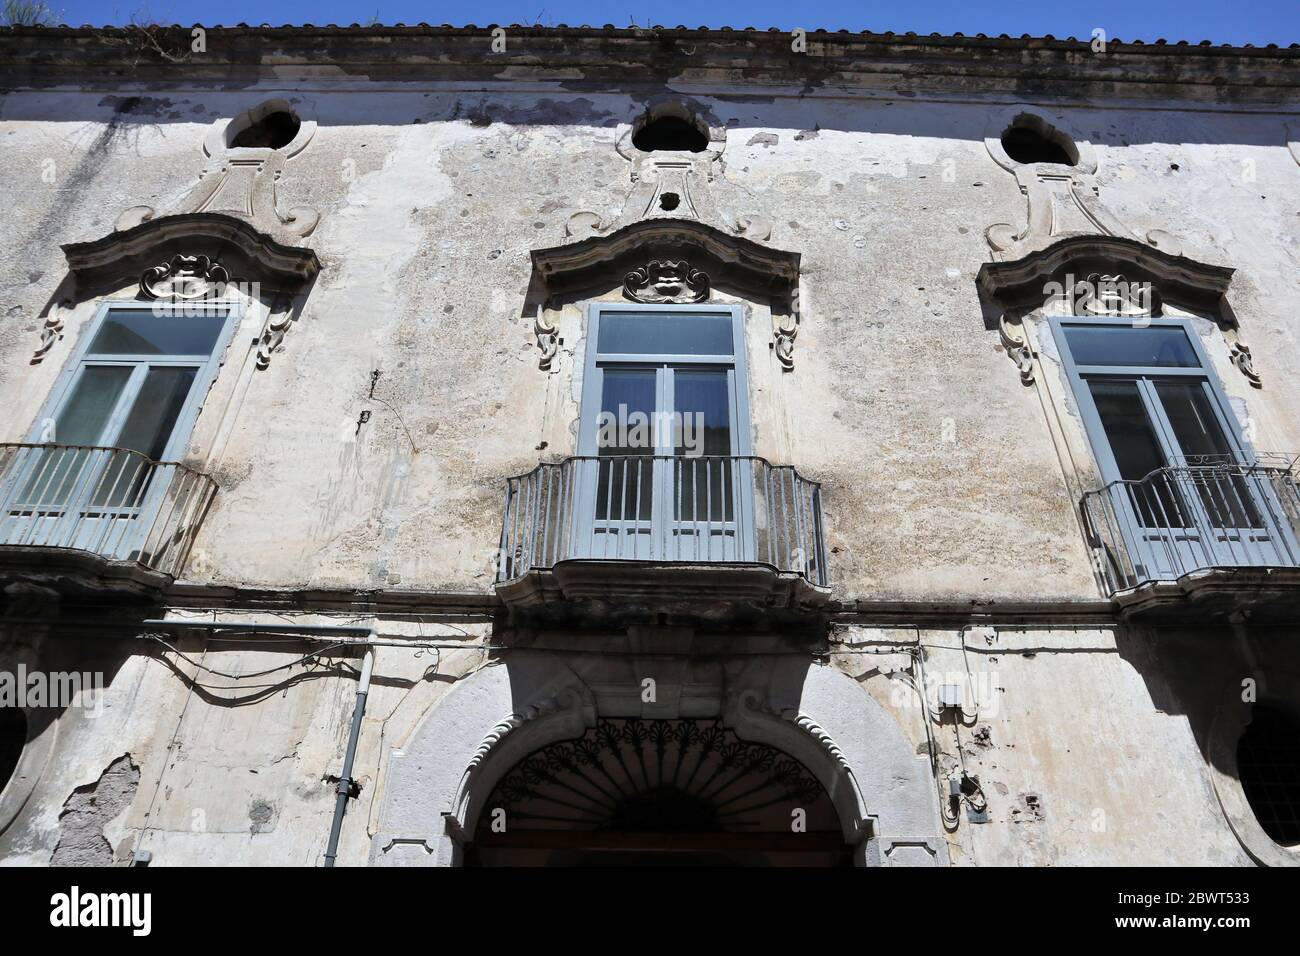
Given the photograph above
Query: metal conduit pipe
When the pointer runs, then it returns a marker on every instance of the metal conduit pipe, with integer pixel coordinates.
(345, 778)
(344, 789)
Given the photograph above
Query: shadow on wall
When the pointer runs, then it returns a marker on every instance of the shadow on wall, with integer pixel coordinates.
(56, 685)
(1223, 680)
(608, 108)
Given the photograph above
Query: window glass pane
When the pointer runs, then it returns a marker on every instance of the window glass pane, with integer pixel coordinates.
(143, 333)
(147, 429)
(55, 474)
(1223, 489)
(1154, 346)
(665, 333)
(149, 424)
(82, 419)
(703, 481)
(1194, 423)
(702, 401)
(626, 432)
(1137, 452)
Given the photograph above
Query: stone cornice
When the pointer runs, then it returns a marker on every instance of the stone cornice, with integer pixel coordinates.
(741, 261)
(247, 253)
(1021, 282)
(109, 56)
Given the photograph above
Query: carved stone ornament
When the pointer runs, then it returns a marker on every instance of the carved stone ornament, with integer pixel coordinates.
(666, 280)
(1115, 296)
(1101, 294)
(548, 338)
(1060, 200)
(276, 326)
(787, 327)
(805, 723)
(1045, 279)
(1241, 357)
(242, 181)
(200, 252)
(671, 185)
(185, 279)
(1012, 334)
(52, 331)
(566, 701)
(584, 223)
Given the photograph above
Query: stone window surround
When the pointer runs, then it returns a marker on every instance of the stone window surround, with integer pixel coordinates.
(138, 262)
(1016, 304)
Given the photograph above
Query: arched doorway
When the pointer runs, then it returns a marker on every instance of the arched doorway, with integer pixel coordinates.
(636, 791)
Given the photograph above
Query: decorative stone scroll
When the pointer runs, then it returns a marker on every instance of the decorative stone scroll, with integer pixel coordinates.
(548, 338)
(666, 280)
(785, 328)
(1240, 355)
(184, 279)
(1060, 200)
(243, 181)
(1014, 340)
(269, 341)
(1112, 295)
(52, 331)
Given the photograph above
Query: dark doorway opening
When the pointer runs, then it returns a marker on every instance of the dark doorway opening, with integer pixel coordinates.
(658, 792)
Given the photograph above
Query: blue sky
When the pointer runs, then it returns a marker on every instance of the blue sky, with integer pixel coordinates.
(1223, 21)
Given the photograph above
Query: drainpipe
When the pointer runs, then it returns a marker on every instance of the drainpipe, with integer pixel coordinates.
(345, 778)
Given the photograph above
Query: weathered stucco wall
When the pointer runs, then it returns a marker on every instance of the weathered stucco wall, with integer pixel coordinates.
(232, 747)
(940, 476)
(1091, 745)
(949, 487)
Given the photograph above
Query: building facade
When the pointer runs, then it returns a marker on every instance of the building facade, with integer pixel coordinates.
(429, 446)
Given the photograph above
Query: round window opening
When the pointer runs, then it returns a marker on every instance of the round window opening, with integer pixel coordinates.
(275, 130)
(1025, 144)
(1268, 762)
(670, 134)
(13, 737)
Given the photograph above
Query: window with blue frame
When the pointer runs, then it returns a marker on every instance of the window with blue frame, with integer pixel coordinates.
(665, 437)
(132, 386)
(126, 401)
(1179, 473)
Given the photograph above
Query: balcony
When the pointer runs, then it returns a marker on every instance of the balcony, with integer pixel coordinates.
(663, 534)
(78, 519)
(1208, 539)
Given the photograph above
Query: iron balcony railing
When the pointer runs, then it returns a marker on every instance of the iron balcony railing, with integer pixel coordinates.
(113, 502)
(661, 508)
(1209, 512)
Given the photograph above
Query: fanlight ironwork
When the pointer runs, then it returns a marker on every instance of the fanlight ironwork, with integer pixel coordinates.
(640, 775)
